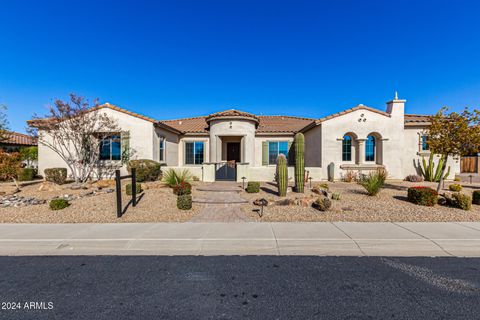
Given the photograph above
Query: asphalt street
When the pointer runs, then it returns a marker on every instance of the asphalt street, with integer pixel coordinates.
(249, 287)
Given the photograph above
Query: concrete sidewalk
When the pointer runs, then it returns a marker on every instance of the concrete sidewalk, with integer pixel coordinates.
(326, 239)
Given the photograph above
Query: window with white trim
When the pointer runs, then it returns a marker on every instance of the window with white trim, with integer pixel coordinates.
(161, 148)
(194, 152)
(275, 148)
(111, 147)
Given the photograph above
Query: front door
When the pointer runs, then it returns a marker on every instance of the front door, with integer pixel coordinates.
(233, 151)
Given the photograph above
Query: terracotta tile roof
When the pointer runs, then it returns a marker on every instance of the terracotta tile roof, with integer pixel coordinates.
(417, 119)
(16, 138)
(232, 113)
(188, 125)
(283, 124)
(267, 124)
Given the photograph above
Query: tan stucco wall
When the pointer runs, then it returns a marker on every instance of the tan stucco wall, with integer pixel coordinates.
(141, 140)
(171, 146)
(238, 128)
(390, 140)
(412, 154)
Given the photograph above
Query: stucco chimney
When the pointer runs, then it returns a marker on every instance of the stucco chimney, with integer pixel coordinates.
(396, 107)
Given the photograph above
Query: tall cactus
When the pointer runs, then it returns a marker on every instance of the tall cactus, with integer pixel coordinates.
(428, 171)
(299, 162)
(282, 175)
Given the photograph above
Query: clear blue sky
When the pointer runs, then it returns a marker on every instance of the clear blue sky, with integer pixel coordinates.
(183, 58)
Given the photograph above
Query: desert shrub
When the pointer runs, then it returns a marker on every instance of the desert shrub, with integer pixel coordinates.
(457, 179)
(172, 177)
(424, 196)
(26, 174)
(323, 186)
(455, 187)
(195, 178)
(182, 188)
(253, 187)
(56, 175)
(335, 196)
(373, 181)
(128, 188)
(322, 203)
(414, 178)
(184, 202)
(349, 176)
(147, 170)
(58, 204)
(462, 201)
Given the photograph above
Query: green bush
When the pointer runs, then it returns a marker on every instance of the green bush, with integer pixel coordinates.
(182, 188)
(147, 170)
(26, 174)
(58, 204)
(128, 188)
(322, 203)
(373, 181)
(172, 177)
(462, 201)
(455, 187)
(335, 196)
(184, 202)
(56, 175)
(423, 196)
(253, 187)
(476, 197)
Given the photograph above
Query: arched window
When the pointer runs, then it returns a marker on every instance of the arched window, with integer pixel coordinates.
(370, 148)
(347, 148)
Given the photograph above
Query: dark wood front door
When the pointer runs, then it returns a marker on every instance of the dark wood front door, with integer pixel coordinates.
(233, 151)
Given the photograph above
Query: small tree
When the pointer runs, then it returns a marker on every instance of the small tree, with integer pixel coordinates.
(454, 134)
(29, 155)
(10, 163)
(74, 130)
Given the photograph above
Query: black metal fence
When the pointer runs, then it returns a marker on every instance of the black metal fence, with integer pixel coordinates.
(118, 187)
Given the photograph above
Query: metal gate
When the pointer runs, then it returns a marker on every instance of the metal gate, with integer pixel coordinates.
(226, 171)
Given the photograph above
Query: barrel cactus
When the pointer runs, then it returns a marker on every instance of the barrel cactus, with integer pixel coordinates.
(299, 162)
(282, 175)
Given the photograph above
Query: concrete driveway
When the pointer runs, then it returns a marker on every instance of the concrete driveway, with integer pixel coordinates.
(322, 239)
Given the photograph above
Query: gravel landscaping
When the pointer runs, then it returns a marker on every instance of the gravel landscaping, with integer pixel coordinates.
(95, 205)
(390, 205)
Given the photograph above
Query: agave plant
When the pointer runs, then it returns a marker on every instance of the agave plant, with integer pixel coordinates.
(173, 178)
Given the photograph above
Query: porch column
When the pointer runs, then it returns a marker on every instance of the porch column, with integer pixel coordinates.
(361, 150)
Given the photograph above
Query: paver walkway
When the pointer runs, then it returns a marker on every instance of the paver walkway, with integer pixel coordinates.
(221, 202)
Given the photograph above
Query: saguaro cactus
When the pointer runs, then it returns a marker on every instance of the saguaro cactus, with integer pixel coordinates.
(282, 175)
(299, 162)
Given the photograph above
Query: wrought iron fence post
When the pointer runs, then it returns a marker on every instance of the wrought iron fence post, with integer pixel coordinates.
(134, 187)
(118, 186)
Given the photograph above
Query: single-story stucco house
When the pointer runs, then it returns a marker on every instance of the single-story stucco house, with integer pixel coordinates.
(232, 144)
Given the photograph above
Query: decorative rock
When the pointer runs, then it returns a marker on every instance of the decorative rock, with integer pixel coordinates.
(49, 186)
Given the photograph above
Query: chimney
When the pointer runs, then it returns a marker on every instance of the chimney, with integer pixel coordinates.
(396, 107)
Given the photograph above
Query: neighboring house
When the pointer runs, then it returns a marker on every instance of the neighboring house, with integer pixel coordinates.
(232, 144)
(15, 141)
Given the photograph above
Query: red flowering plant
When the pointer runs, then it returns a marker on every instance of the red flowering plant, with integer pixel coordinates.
(182, 188)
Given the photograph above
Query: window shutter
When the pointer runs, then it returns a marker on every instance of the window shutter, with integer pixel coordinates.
(265, 153)
(291, 154)
(125, 143)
